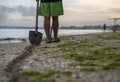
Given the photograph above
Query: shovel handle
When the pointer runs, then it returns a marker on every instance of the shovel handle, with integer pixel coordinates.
(36, 22)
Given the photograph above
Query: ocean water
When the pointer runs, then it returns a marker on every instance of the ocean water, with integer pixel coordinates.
(23, 33)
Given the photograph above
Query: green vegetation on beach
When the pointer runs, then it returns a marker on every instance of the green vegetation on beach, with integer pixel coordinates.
(84, 53)
(39, 76)
(93, 53)
(2, 54)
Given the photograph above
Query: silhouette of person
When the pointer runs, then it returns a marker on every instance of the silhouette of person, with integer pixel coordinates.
(104, 27)
(51, 9)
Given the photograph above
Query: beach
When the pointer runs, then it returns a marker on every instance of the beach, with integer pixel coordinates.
(77, 58)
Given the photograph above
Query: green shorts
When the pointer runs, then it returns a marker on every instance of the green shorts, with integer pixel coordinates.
(51, 9)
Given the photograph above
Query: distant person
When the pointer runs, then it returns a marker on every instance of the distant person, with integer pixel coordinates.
(51, 9)
(104, 27)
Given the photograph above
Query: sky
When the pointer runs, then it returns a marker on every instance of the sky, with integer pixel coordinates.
(76, 12)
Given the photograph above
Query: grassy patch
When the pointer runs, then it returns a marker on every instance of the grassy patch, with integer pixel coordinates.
(66, 73)
(114, 36)
(91, 69)
(69, 47)
(2, 54)
(89, 52)
(65, 38)
(75, 46)
(90, 57)
(105, 59)
(37, 76)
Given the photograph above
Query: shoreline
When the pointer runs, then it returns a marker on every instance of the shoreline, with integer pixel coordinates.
(24, 40)
(24, 33)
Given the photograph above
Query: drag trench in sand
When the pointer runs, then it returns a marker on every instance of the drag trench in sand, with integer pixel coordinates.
(13, 67)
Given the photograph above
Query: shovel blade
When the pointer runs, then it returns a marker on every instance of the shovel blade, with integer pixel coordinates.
(35, 38)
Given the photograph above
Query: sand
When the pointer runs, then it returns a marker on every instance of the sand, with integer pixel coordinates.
(19, 57)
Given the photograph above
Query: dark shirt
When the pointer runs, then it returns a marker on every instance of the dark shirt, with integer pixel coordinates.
(47, 1)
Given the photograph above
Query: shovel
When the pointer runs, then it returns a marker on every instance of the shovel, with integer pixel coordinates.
(35, 37)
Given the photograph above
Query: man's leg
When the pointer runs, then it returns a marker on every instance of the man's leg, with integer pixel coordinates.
(47, 28)
(55, 24)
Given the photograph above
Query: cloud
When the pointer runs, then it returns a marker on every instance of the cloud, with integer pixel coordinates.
(79, 12)
(26, 11)
(3, 13)
(90, 5)
(12, 3)
(76, 12)
(115, 10)
(15, 15)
